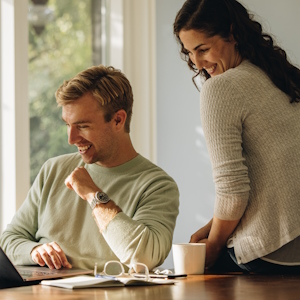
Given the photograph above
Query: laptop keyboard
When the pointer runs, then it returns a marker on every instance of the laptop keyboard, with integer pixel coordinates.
(31, 273)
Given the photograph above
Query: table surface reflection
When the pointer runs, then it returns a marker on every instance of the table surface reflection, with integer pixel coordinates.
(215, 287)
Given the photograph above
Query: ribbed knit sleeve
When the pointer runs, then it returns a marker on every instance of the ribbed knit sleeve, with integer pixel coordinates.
(222, 116)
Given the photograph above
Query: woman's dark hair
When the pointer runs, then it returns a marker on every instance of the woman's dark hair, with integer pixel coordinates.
(226, 17)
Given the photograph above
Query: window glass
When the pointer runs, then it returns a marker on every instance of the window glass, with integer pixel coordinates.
(56, 52)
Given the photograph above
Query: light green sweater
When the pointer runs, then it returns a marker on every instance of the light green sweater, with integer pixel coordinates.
(143, 232)
(253, 138)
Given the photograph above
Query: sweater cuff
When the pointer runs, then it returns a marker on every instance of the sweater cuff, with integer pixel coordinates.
(22, 256)
(230, 207)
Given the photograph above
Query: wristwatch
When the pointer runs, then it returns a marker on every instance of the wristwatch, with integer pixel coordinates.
(99, 198)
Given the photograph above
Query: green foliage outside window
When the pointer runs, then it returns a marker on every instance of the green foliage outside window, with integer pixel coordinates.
(62, 50)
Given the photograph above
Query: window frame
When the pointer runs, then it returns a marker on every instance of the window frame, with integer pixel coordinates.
(14, 110)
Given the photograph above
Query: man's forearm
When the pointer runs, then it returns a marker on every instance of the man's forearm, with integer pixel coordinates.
(104, 213)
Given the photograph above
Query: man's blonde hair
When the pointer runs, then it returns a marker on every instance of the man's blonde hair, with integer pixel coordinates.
(109, 86)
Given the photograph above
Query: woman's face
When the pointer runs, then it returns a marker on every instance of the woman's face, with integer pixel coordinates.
(213, 54)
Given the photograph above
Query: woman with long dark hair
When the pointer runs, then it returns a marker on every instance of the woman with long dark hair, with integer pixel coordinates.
(251, 120)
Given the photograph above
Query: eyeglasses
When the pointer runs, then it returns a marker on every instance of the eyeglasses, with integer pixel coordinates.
(114, 268)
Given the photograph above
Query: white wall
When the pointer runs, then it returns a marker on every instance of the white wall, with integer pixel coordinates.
(181, 147)
(281, 19)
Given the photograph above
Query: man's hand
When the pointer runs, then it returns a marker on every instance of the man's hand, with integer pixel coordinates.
(51, 255)
(81, 182)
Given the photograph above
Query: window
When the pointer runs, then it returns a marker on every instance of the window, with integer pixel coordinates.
(57, 51)
(124, 44)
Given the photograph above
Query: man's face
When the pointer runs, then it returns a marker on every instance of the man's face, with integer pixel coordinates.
(88, 131)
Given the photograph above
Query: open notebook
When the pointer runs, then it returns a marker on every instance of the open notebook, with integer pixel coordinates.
(11, 275)
(80, 282)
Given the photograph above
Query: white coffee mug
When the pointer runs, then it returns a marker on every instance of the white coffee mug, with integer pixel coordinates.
(189, 258)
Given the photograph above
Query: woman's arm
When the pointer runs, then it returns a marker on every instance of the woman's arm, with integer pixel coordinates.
(217, 238)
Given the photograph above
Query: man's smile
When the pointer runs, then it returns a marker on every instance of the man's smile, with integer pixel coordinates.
(83, 149)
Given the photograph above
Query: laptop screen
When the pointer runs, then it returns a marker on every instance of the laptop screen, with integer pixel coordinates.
(21, 274)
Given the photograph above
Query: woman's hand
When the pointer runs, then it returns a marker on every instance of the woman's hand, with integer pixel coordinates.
(215, 235)
(202, 233)
(212, 253)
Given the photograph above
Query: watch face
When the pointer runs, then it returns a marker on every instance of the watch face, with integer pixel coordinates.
(99, 197)
(102, 197)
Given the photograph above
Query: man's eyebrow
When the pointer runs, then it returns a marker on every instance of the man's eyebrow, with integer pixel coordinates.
(78, 122)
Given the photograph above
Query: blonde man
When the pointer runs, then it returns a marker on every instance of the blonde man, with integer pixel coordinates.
(106, 202)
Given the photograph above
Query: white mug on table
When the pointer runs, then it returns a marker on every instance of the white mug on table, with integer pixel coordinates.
(189, 258)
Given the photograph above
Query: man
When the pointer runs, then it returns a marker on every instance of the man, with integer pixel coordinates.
(104, 203)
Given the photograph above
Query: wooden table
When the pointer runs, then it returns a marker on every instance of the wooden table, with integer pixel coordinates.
(209, 287)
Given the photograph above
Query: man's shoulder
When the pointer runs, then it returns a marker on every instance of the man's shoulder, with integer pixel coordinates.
(145, 164)
(65, 158)
(63, 162)
(152, 170)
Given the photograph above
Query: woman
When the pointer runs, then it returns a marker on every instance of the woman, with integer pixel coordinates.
(250, 114)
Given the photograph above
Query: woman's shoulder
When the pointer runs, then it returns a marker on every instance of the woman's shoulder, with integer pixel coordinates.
(235, 80)
(246, 70)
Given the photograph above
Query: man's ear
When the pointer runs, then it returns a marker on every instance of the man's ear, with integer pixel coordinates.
(119, 118)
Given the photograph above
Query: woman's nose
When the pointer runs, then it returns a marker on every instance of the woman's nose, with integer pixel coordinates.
(199, 63)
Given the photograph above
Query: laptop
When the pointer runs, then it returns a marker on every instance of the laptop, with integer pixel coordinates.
(12, 276)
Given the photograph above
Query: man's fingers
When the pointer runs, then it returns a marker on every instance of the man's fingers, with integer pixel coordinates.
(50, 257)
(68, 182)
(61, 255)
(50, 254)
(41, 257)
(36, 257)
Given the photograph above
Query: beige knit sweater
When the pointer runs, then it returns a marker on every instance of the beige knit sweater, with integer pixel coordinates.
(253, 138)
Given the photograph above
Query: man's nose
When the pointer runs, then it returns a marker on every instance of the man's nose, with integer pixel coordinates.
(73, 135)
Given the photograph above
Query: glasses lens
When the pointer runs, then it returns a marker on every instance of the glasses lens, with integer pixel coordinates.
(113, 269)
(140, 270)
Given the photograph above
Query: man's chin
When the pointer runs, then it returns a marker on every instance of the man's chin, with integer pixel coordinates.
(88, 160)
